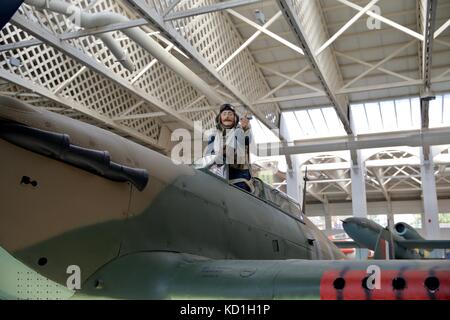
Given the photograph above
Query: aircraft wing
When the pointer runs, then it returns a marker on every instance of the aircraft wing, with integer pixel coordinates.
(425, 244)
(8, 9)
(166, 275)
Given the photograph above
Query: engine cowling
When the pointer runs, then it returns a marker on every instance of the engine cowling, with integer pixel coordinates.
(406, 231)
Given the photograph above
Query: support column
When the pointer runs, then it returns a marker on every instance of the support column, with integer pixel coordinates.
(359, 203)
(328, 226)
(327, 216)
(429, 198)
(390, 215)
(294, 181)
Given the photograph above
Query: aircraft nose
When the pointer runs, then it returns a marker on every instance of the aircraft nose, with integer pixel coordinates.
(349, 220)
(350, 226)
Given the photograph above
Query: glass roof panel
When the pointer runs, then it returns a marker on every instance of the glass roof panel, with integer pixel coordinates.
(313, 123)
(359, 119)
(435, 112)
(318, 121)
(388, 114)
(259, 135)
(374, 117)
(305, 121)
(446, 115)
(294, 130)
(262, 134)
(384, 116)
(371, 117)
(403, 109)
(334, 124)
(416, 115)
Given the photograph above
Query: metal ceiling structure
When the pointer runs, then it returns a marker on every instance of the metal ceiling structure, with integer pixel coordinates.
(142, 68)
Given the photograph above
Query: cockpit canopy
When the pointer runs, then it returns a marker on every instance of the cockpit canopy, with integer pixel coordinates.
(262, 190)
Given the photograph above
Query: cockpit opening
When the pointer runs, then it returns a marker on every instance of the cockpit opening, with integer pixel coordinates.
(259, 188)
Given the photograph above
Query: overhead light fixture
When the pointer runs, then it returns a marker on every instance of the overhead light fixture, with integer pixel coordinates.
(15, 62)
(260, 17)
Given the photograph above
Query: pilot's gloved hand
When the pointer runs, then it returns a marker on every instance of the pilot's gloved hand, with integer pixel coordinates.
(245, 122)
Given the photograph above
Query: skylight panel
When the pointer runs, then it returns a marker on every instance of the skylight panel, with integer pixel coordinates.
(258, 133)
(446, 113)
(271, 136)
(263, 134)
(359, 118)
(415, 113)
(292, 126)
(374, 117)
(319, 122)
(334, 124)
(312, 123)
(388, 114)
(305, 121)
(403, 108)
(435, 112)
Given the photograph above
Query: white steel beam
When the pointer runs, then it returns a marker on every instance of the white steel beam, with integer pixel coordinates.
(427, 21)
(290, 98)
(78, 34)
(410, 83)
(427, 9)
(346, 26)
(267, 32)
(281, 85)
(152, 16)
(314, 194)
(294, 187)
(151, 64)
(301, 83)
(140, 116)
(384, 20)
(442, 29)
(20, 44)
(359, 202)
(207, 9)
(249, 41)
(430, 204)
(109, 28)
(172, 5)
(72, 78)
(304, 19)
(395, 74)
(402, 170)
(396, 177)
(375, 66)
(52, 40)
(376, 164)
(132, 108)
(339, 180)
(44, 92)
(412, 138)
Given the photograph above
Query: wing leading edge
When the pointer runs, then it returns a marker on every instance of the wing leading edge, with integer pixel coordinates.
(165, 275)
